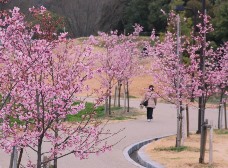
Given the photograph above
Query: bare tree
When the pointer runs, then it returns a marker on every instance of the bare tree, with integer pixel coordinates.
(83, 17)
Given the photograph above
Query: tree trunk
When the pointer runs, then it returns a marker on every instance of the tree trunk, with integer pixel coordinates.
(55, 162)
(56, 136)
(109, 104)
(181, 125)
(199, 116)
(110, 99)
(183, 120)
(211, 144)
(219, 117)
(225, 115)
(115, 97)
(20, 157)
(128, 98)
(203, 101)
(124, 97)
(119, 87)
(106, 106)
(15, 158)
(39, 165)
(11, 159)
(178, 138)
(204, 140)
(187, 119)
(203, 131)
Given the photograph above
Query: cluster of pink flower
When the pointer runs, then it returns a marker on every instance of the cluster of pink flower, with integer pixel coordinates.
(179, 81)
(40, 81)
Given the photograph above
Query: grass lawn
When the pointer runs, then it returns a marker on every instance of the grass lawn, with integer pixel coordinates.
(117, 113)
(88, 109)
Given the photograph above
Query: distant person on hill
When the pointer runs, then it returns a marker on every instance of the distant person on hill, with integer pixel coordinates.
(149, 101)
(144, 52)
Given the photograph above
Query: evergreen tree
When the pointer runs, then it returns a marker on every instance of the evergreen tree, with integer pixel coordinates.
(137, 12)
(220, 22)
(156, 19)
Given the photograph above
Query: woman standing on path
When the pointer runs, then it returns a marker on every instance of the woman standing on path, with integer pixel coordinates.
(150, 96)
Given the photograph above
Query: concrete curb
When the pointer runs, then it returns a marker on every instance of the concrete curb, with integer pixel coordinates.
(142, 159)
(146, 161)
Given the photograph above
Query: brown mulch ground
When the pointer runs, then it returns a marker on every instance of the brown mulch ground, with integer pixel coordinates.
(189, 158)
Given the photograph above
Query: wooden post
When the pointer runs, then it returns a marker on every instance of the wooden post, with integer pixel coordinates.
(211, 144)
(204, 140)
(224, 104)
(187, 118)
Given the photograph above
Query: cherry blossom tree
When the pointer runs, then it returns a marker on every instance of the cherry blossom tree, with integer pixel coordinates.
(219, 77)
(119, 60)
(207, 67)
(39, 83)
(169, 71)
(173, 77)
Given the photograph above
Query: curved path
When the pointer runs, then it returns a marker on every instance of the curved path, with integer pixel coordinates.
(164, 123)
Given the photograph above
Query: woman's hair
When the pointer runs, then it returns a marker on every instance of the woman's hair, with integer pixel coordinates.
(151, 87)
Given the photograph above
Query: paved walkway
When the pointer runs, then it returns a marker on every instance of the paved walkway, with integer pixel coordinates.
(164, 123)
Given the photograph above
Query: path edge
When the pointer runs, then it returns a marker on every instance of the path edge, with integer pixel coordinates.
(144, 160)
